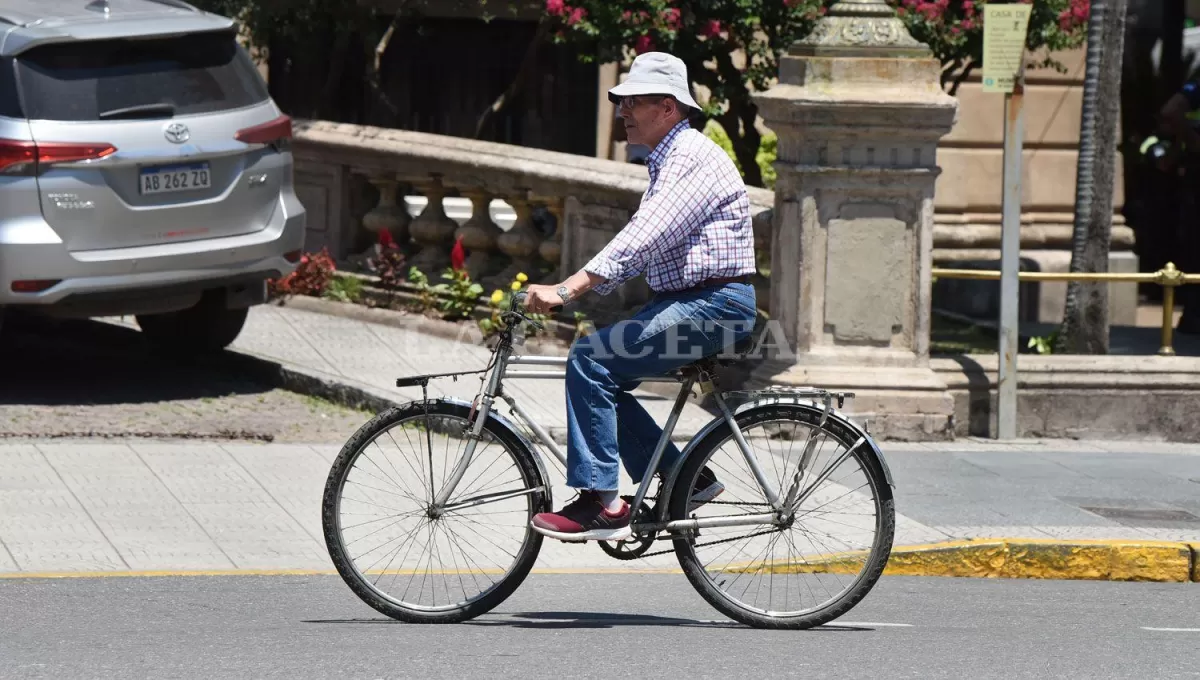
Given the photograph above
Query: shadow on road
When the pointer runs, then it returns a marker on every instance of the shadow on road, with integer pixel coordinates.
(575, 620)
(49, 362)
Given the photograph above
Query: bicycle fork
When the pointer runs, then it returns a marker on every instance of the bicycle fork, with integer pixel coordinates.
(486, 399)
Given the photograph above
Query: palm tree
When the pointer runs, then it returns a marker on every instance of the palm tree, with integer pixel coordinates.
(1085, 319)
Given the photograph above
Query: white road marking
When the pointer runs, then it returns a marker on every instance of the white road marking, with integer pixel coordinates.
(1173, 630)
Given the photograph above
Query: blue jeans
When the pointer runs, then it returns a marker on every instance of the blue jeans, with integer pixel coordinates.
(605, 423)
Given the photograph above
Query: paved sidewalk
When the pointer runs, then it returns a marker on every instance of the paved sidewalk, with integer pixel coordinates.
(118, 507)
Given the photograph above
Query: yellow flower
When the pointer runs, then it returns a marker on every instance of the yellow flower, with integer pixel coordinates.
(516, 285)
(521, 277)
(497, 296)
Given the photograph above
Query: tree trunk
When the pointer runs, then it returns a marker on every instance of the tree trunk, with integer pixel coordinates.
(526, 68)
(1085, 319)
(744, 138)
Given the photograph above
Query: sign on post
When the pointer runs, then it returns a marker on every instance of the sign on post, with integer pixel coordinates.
(1004, 31)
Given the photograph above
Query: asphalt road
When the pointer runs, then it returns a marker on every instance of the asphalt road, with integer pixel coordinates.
(580, 626)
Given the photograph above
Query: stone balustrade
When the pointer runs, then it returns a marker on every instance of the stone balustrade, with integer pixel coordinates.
(515, 209)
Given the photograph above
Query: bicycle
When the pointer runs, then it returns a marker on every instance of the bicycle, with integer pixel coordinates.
(800, 505)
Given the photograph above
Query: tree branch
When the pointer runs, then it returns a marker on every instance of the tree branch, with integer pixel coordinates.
(962, 76)
(518, 83)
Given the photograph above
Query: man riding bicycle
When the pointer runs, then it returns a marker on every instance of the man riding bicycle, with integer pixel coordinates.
(692, 238)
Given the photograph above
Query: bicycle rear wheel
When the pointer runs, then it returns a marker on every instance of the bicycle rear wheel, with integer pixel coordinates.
(796, 574)
(420, 565)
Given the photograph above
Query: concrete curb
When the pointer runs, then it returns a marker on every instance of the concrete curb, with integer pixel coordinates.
(336, 389)
(1032, 558)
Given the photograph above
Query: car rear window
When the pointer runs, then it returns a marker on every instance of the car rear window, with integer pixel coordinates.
(10, 105)
(199, 73)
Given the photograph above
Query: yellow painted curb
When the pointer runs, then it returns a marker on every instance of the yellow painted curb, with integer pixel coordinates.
(1033, 558)
(1162, 561)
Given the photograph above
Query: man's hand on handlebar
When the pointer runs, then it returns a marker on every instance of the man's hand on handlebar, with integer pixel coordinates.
(541, 299)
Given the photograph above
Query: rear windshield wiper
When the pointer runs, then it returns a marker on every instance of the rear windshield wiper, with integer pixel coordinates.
(161, 109)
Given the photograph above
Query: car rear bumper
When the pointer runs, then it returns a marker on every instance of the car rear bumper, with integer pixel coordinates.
(147, 279)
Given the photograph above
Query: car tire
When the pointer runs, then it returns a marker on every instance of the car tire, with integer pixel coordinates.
(206, 327)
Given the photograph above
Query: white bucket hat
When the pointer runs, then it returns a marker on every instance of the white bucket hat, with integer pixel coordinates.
(656, 73)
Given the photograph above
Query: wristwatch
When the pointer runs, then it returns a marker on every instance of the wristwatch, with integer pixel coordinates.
(564, 294)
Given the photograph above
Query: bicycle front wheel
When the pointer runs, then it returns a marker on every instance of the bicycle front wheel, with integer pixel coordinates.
(421, 564)
(797, 573)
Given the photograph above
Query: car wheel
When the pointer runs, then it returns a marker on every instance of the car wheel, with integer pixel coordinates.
(206, 327)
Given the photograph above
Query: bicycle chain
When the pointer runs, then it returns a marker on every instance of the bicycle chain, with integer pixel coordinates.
(705, 545)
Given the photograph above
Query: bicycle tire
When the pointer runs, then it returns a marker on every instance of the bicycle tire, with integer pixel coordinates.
(880, 551)
(362, 438)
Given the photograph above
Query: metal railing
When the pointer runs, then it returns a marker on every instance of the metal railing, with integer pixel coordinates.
(1168, 277)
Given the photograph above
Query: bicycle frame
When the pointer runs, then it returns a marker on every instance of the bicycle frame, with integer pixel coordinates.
(493, 389)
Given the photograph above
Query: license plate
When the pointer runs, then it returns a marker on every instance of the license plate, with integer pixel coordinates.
(174, 178)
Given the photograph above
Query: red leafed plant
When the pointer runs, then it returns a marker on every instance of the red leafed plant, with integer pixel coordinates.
(389, 264)
(311, 277)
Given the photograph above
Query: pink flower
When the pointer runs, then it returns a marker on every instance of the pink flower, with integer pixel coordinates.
(901, 12)
(626, 15)
(555, 7)
(968, 24)
(577, 15)
(671, 17)
(711, 29)
(968, 5)
(643, 44)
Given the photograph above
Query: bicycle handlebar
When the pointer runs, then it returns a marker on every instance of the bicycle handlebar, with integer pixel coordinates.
(518, 300)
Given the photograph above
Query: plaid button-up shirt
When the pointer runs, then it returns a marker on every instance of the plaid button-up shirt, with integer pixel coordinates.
(693, 223)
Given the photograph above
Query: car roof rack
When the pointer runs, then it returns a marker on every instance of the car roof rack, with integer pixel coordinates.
(16, 17)
(178, 4)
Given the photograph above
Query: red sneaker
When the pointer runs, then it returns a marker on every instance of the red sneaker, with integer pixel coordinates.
(585, 519)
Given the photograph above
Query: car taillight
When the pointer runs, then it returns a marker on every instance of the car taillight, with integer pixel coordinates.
(17, 155)
(270, 132)
(34, 285)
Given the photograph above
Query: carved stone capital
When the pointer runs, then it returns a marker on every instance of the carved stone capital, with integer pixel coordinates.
(868, 28)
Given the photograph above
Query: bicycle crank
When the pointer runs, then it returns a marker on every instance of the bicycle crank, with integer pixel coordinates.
(636, 546)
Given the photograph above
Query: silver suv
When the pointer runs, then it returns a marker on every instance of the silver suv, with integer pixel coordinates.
(144, 169)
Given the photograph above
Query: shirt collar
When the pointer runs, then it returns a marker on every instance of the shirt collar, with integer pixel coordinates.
(659, 155)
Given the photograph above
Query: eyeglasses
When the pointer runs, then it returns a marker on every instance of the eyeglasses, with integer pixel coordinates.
(633, 100)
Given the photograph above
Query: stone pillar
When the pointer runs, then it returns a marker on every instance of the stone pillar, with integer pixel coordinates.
(479, 234)
(520, 243)
(433, 230)
(551, 249)
(859, 112)
(389, 214)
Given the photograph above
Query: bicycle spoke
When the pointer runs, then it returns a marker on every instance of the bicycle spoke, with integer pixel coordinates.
(793, 568)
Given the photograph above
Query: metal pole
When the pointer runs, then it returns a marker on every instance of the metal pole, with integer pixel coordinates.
(1010, 256)
(1168, 322)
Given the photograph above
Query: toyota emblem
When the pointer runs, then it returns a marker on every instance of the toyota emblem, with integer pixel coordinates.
(177, 133)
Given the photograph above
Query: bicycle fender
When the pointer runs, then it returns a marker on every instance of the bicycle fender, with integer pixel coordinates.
(512, 429)
(834, 414)
(774, 400)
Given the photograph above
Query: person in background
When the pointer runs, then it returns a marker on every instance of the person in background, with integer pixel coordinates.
(1180, 119)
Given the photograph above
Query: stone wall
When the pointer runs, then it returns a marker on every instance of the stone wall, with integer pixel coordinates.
(968, 197)
(517, 209)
